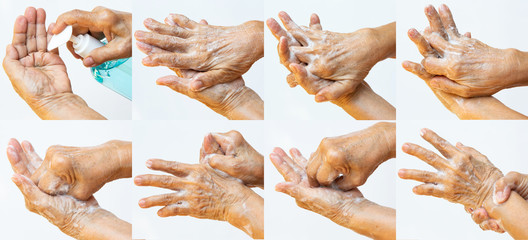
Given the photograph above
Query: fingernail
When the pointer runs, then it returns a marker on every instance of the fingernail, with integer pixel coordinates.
(147, 61)
(148, 163)
(405, 147)
(320, 98)
(141, 203)
(139, 34)
(15, 179)
(197, 85)
(137, 180)
(422, 132)
(89, 62)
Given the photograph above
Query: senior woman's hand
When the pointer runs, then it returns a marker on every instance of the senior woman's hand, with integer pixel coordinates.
(38, 76)
(464, 176)
(101, 23)
(76, 171)
(472, 67)
(219, 54)
(346, 208)
(347, 161)
(200, 191)
(232, 154)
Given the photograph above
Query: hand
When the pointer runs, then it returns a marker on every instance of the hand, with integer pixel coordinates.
(336, 205)
(513, 181)
(199, 191)
(465, 176)
(347, 161)
(233, 99)
(101, 23)
(76, 171)
(219, 54)
(475, 69)
(231, 153)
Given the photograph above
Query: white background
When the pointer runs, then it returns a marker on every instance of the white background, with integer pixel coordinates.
(492, 22)
(337, 16)
(101, 99)
(181, 142)
(284, 219)
(155, 102)
(19, 223)
(425, 217)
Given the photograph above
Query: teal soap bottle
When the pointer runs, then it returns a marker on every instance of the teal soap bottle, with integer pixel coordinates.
(114, 74)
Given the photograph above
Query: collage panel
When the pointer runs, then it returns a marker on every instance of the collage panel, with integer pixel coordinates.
(356, 43)
(220, 41)
(39, 83)
(460, 179)
(205, 180)
(58, 166)
(355, 163)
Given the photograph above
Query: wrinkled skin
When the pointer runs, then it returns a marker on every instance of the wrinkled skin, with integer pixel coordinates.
(464, 176)
(228, 99)
(101, 23)
(201, 192)
(347, 161)
(219, 54)
(232, 154)
(75, 171)
(336, 205)
(474, 68)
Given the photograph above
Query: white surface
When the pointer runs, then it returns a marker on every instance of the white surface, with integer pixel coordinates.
(153, 102)
(101, 99)
(492, 22)
(181, 142)
(337, 16)
(19, 223)
(425, 217)
(284, 219)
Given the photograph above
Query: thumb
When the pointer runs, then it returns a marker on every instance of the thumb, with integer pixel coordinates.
(211, 146)
(290, 79)
(504, 186)
(336, 90)
(223, 163)
(210, 78)
(115, 49)
(177, 84)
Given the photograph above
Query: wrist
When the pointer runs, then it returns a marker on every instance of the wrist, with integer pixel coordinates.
(63, 106)
(255, 31)
(247, 214)
(486, 190)
(121, 152)
(518, 73)
(384, 41)
(242, 104)
(102, 224)
(387, 133)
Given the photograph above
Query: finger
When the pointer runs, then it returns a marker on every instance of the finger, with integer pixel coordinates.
(326, 175)
(447, 85)
(203, 21)
(425, 155)
(116, 49)
(172, 167)
(284, 167)
(56, 50)
(18, 159)
(315, 22)
(161, 200)
(165, 29)
(434, 21)
(293, 28)
(76, 16)
(423, 46)
(418, 175)
(300, 73)
(149, 49)
(227, 141)
(294, 190)
(284, 51)
(301, 53)
(276, 29)
(32, 156)
(182, 21)
(495, 226)
(443, 146)
(479, 215)
(53, 185)
(505, 185)
(174, 60)
(31, 40)
(298, 157)
(468, 35)
(437, 42)
(225, 164)
(417, 70)
(448, 22)
(161, 181)
(211, 145)
(312, 168)
(19, 36)
(290, 79)
(336, 90)
(347, 182)
(210, 78)
(178, 84)
(30, 191)
(41, 33)
(428, 189)
(484, 226)
(175, 210)
(165, 42)
(435, 66)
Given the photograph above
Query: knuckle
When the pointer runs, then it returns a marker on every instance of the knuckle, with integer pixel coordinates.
(107, 16)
